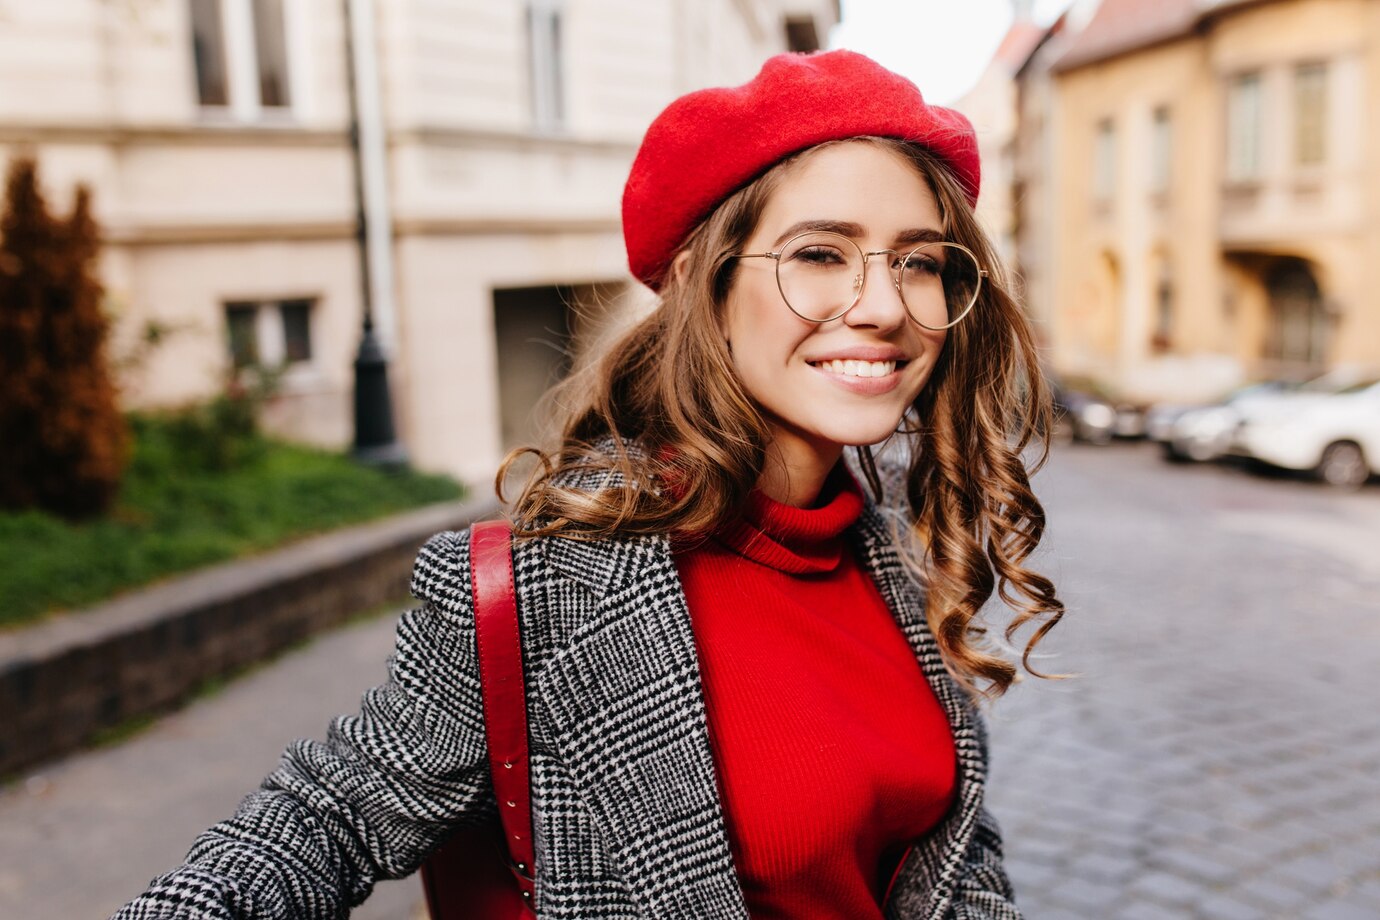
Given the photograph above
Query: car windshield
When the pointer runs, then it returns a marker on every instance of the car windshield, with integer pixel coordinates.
(1341, 380)
(1359, 386)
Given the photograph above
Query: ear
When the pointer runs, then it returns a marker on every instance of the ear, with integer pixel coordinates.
(678, 265)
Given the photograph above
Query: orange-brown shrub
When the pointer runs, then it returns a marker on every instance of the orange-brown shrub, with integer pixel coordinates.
(63, 440)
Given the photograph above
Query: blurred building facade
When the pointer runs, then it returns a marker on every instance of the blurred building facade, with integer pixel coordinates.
(214, 134)
(991, 106)
(1197, 190)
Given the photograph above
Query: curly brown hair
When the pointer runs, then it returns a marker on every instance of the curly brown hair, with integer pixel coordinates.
(663, 404)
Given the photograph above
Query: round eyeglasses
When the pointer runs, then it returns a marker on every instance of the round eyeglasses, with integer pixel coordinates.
(821, 275)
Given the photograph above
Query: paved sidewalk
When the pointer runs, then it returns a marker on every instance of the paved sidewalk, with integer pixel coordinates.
(83, 836)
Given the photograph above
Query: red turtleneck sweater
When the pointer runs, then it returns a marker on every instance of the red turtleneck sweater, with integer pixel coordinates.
(832, 753)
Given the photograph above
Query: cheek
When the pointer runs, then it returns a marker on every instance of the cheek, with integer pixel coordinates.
(932, 345)
(757, 326)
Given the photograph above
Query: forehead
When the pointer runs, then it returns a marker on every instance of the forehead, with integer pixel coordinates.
(860, 182)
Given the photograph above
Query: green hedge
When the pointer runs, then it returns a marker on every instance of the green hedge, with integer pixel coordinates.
(191, 498)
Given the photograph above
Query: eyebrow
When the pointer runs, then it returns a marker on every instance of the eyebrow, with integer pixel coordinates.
(854, 230)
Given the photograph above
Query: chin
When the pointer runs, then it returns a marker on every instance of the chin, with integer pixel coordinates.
(860, 432)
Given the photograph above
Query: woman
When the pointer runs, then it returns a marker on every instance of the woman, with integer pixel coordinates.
(741, 699)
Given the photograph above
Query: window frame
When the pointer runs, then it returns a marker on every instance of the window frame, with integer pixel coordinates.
(213, 12)
(271, 343)
(1161, 150)
(240, 31)
(1319, 120)
(1245, 126)
(1105, 153)
(546, 65)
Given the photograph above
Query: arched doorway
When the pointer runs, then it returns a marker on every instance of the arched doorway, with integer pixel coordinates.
(1298, 326)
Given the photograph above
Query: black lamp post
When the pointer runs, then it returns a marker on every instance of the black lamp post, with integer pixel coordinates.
(375, 440)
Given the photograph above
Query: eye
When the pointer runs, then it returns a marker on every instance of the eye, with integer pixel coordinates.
(920, 265)
(818, 255)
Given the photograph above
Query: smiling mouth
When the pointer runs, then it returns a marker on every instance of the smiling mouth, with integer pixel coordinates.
(859, 368)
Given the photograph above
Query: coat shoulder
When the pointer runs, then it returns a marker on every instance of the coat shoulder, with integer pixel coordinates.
(560, 582)
(441, 572)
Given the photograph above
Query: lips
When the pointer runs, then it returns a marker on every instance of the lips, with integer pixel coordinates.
(861, 377)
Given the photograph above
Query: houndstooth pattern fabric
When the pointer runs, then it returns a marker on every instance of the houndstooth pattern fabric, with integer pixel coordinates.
(628, 819)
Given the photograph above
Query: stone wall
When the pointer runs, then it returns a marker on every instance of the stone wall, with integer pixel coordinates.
(67, 679)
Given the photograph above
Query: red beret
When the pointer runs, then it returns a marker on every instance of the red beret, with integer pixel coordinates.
(708, 144)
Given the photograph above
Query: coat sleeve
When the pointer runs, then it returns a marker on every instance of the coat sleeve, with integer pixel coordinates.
(373, 800)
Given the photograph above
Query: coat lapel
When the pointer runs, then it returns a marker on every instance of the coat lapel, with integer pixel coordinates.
(934, 868)
(625, 700)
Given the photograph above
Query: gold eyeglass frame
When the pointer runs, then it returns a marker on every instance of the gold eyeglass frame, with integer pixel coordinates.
(861, 282)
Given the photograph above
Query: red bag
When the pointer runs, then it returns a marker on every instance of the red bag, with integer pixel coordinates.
(486, 873)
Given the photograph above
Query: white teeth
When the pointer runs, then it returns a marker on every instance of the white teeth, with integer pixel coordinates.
(852, 368)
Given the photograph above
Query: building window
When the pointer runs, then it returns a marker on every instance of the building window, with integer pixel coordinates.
(1162, 338)
(296, 316)
(1243, 128)
(208, 52)
(1310, 114)
(241, 51)
(270, 53)
(1104, 162)
(240, 319)
(546, 64)
(269, 333)
(801, 34)
(1161, 150)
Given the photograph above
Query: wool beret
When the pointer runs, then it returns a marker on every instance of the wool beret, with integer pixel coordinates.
(709, 143)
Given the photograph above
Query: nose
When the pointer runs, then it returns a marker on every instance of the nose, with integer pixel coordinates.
(879, 305)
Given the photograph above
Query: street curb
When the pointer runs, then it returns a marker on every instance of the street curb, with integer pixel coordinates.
(65, 679)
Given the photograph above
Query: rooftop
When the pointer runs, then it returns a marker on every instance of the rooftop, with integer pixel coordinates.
(1020, 40)
(1120, 26)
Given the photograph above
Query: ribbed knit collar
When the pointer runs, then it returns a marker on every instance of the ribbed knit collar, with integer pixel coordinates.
(798, 541)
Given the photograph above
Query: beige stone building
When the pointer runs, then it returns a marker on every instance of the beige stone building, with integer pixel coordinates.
(496, 136)
(1213, 172)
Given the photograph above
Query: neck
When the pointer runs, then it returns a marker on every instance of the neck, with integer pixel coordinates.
(796, 469)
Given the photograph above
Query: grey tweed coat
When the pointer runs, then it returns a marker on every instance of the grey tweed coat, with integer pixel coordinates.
(628, 819)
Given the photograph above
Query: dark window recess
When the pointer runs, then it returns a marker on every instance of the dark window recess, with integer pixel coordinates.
(208, 51)
(546, 64)
(533, 332)
(801, 34)
(1298, 328)
(240, 331)
(270, 46)
(557, 69)
(1162, 339)
(296, 330)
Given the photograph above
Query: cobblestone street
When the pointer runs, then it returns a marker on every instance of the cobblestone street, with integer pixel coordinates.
(1218, 757)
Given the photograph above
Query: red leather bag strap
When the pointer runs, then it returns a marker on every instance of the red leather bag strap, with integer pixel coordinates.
(505, 697)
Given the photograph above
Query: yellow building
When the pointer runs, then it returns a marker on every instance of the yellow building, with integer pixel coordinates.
(1215, 205)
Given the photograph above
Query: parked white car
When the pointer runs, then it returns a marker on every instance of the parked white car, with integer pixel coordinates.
(1336, 435)
(1204, 432)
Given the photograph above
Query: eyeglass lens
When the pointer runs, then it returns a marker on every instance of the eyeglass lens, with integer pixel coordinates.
(821, 276)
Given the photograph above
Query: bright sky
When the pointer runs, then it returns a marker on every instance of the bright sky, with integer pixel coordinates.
(941, 45)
